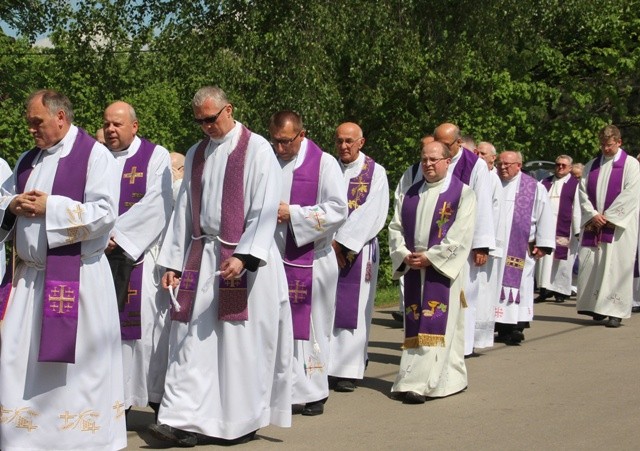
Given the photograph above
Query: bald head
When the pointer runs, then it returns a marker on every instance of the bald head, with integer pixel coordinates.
(449, 135)
(120, 126)
(349, 141)
(177, 166)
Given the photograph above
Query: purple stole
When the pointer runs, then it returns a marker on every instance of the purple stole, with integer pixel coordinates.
(133, 187)
(348, 293)
(565, 215)
(299, 260)
(518, 239)
(426, 322)
(191, 271)
(62, 268)
(591, 237)
(465, 165)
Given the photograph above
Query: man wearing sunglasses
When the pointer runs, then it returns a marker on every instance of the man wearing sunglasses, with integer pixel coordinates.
(554, 271)
(230, 343)
(313, 205)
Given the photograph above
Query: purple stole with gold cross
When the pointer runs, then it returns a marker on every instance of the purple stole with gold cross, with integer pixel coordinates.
(426, 313)
(231, 230)
(590, 236)
(62, 269)
(298, 261)
(565, 215)
(133, 187)
(518, 240)
(348, 293)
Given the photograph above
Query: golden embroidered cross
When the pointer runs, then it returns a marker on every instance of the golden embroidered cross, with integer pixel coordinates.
(67, 418)
(445, 213)
(133, 175)
(119, 409)
(60, 299)
(131, 292)
(299, 292)
(318, 217)
(78, 211)
(232, 283)
(186, 283)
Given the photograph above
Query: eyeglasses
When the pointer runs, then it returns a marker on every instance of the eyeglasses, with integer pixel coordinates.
(505, 165)
(432, 161)
(210, 119)
(284, 142)
(348, 141)
(561, 165)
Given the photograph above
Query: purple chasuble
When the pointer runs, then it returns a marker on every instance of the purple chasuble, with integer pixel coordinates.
(590, 236)
(518, 239)
(298, 261)
(426, 308)
(465, 165)
(232, 294)
(133, 187)
(565, 215)
(191, 271)
(62, 269)
(348, 293)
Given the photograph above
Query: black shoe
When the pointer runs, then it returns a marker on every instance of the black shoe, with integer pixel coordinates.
(412, 397)
(311, 409)
(345, 386)
(176, 436)
(542, 296)
(560, 298)
(613, 322)
(398, 316)
(597, 317)
(515, 338)
(635, 309)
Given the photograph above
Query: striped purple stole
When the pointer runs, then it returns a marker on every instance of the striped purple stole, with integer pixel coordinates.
(518, 239)
(427, 309)
(348, 293)
(133, 187)
(592, 237)
(565, 215)
(191, 271)
(62, 269)
(298, 261)
(465, 165)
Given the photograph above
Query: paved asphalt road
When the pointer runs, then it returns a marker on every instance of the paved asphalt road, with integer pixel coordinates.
(572, 385)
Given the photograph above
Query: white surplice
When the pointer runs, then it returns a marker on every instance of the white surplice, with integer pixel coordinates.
(138, 232)
(542, 233)
(62, 405)
(5, 173)
(228, 378)
(436, 371)
(552, 274)
(348, 354)
(315, 224)
(605, 277)
(485, 316)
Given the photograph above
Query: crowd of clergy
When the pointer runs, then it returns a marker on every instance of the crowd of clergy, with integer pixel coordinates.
(233, 286)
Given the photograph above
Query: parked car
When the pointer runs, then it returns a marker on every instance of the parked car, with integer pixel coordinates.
(539, 169)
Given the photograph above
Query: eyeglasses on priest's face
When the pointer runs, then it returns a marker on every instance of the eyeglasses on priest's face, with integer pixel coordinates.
(505, 165)
(210, 119)
(432, 161)
(561, 165)
(285, 141)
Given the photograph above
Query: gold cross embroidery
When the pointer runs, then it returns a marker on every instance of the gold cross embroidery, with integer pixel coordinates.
(67, 418)
(186, 283)
(445, 212)
(233, 283)
(299, 292)
(133, 175)
(515, 262)
(61, 300)
(131, 292)
(119, 408)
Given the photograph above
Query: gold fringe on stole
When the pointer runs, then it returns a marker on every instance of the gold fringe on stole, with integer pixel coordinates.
(463, 299)
(423, 340)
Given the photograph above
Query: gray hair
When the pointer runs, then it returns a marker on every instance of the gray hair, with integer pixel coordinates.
(564, 157)
(489, 145)
(54, 102)
(209, 92)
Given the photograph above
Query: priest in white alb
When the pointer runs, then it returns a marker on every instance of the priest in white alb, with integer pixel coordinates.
(61, 360)
(430, 239)
(609, 193)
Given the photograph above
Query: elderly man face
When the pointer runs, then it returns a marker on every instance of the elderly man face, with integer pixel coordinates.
(563, 167)
(434, 161)
(508, 165)
(119, 126)
(486, 152)
(349, 141)
(47, 128)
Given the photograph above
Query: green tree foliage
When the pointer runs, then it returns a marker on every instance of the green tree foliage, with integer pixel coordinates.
(537, 76)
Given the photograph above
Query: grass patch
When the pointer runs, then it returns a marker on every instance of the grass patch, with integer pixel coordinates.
(387, 296)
